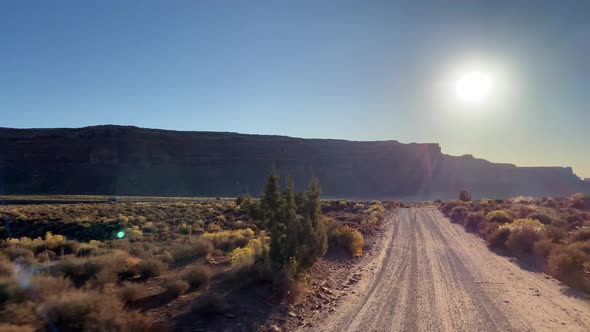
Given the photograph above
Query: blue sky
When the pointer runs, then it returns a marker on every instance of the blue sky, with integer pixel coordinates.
(361, 70)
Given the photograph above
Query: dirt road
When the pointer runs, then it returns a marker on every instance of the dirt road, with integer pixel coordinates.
(432, 276)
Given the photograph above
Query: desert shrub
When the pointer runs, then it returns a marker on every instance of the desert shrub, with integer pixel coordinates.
(550, 203)
(46, 256)
(197, 275)
(464, 196)
(184, 229)
(82, 311)
(6, 269)
(473, 221)
(176, 287)
(228, 240)
(351, 240)
(190, 251)
(543, 218)
(208, 305)
(11, 292)
(523, 199)
(544, 247)
(581, 202)
(19, 254)
(521, 239)
(581, 234)
(213, 227)
(499, 216)
(447, 207)
(497, 238)
(332, 230)
(556, 234)
(78, 271)
(569, 265)
(574, 221)
(285, 284)
(254, 250)
(150, 268)
(458, 214)
(376, 206)
(43, 286)
(522, 211)
(131, 292)
(378, 216)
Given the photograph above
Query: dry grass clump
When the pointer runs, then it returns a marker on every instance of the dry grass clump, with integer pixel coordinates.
(522, 239)
(447, 207)
(228, 240)
(473, 221)
(499, 216)
(150, 268)
(197, 276)
(570, 264)
(176, 287)
(581, 234)
(352, 240)
(191, 250)
(542, 217)
(132, 292)
(458, 214)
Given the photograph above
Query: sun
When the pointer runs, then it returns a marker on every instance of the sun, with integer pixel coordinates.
(473, 86)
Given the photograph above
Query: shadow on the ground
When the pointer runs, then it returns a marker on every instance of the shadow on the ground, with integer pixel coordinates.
(572, 292)
(245, 309)
(247, 303)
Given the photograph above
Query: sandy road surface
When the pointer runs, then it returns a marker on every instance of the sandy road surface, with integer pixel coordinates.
(432, 276)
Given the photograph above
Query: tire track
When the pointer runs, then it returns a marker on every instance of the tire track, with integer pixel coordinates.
(432, 276)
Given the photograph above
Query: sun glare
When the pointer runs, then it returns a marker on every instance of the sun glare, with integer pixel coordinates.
(473, 86)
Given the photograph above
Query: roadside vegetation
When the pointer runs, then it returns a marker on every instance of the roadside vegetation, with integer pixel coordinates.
(552, 234)
(119, 267)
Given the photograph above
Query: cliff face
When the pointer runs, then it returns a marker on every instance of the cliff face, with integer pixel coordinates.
(133, 161)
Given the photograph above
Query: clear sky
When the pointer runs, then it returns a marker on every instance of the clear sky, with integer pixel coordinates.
(361, 70)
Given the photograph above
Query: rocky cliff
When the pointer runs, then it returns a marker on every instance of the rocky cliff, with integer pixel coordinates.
(116, 160)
